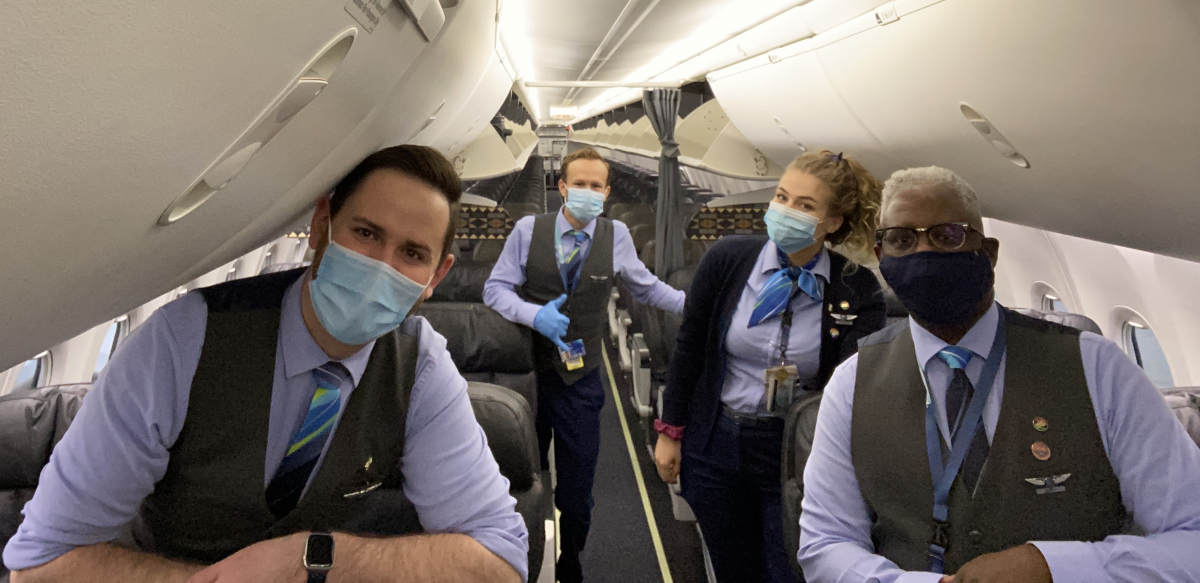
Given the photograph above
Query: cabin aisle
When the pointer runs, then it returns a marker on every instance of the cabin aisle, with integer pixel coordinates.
(620, 547)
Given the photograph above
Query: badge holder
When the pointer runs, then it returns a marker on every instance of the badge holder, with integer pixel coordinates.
(780, 382)
(573, 357)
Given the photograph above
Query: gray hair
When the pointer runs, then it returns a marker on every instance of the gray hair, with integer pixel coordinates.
(932, 176)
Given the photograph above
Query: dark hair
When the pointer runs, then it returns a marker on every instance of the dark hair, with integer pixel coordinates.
(420, 162)
(585, 154)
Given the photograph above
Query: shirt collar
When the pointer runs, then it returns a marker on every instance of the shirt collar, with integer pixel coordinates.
(564, 225)
(301, 354)
(979, 338)
(768, 261)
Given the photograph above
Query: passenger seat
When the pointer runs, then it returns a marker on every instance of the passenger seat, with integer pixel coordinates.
(1185, 403)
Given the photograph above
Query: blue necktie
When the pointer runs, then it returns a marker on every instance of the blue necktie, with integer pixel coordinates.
(779, 291)
(574, 262)
(958, 398)
(305, 447)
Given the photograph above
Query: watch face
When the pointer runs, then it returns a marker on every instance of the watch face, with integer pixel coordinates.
(318, 553)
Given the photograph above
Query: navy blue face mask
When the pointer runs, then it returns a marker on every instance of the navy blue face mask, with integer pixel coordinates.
(938, 287)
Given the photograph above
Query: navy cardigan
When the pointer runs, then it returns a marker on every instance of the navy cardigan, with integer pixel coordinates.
(693, 394)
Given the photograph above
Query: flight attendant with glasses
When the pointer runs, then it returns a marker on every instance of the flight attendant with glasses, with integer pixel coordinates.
(766, 321)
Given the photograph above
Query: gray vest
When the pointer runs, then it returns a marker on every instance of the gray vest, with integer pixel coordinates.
(587, 306)
(212, 502)
(1043, 378)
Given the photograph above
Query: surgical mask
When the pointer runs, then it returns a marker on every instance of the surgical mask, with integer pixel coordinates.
(358, 299)
(790, 229)
(937, 287)
(584, 204)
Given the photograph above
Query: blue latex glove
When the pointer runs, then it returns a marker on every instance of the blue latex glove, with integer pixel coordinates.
(551, 324)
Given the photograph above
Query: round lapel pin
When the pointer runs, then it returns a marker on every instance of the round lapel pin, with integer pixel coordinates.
(1040, 450)
(1040, 424)
(845, 305)
(833, 333)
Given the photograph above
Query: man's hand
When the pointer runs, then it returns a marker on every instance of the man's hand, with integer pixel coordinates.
(551, 323)
(279, 560)
(1022, 564)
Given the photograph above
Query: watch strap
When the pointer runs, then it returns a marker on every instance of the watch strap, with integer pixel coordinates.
(317, 576)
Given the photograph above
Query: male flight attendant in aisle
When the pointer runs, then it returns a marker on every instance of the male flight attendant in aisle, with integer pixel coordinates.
(555, 276)
(971, 444)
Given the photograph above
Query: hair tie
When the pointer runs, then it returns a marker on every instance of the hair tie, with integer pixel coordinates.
(836, 157)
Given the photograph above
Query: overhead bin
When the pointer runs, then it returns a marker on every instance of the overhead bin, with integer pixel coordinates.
(708, 140)
(1107, 125)
(143, 102)
(488, 156)
(476, 113)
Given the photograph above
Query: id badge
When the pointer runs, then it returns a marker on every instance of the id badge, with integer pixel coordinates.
(573, 357)
(780, 383)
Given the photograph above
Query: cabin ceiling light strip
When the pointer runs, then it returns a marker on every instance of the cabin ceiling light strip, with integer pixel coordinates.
(313, 79)
(993, 135)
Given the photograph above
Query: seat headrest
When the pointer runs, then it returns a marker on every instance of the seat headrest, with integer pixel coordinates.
(479, 339)
(1077, 321)
(1185, 403)
(281, 267)
(463, 283)
(505, 418)
(803, 424)
(487, 251)
(681, 279)
(31, 423)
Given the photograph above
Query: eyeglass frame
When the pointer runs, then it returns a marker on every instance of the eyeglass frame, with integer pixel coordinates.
(968, 229)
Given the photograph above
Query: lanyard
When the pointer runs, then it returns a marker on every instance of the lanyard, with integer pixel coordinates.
(785, 324)
(944, 476)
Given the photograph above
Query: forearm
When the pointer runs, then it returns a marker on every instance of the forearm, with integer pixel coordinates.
(104, 563)
(417, 559)
(503, 298)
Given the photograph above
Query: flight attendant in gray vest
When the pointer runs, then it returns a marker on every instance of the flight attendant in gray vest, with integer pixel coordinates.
(971, 444)
(555, 275)
(766, 322)
(247, 426)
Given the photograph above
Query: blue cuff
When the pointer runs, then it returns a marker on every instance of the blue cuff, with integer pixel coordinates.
(502, 545)
(1072, 562)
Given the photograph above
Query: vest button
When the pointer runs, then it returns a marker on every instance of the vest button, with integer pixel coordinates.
(975, 537)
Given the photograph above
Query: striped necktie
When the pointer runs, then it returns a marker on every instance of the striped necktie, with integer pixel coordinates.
(574, 261)
(958, 399)
(283, 493)
(779, 291)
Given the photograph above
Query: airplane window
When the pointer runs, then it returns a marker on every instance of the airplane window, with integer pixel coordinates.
(34, 373)
(1052, 303)
(116, 333)
(179, 293)
(1142, 345)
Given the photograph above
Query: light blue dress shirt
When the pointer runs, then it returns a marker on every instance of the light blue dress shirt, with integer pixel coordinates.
(1156, 462)
(117, 447)
(751, 351)
(500, 291)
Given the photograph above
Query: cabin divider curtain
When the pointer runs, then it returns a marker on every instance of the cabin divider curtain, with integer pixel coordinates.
(662, 107)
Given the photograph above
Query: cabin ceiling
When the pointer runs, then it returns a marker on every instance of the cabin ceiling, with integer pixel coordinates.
(615, 40)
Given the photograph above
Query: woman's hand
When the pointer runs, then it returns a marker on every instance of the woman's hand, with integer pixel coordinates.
(666, 457)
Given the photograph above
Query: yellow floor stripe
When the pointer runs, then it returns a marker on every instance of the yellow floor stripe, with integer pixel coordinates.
(557, 536)
(637, 473)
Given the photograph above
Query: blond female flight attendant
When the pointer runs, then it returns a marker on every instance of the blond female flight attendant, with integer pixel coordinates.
(783, 307)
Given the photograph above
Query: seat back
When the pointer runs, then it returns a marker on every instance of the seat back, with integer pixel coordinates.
(799, 429)
(487, 251)
(1185, 403)
(463, 283)
(1077, 321)
(484, 346)
(31, 423)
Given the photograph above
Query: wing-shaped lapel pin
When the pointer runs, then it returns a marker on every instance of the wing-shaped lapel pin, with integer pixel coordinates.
(1049, 484)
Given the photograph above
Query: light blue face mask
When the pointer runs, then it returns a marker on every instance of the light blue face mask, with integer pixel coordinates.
(584, 204)
(790, 229)
(358, 299)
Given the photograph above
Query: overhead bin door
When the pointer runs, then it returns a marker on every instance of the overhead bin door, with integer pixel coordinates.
(1098, 97)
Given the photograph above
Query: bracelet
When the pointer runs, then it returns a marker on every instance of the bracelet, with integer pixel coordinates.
(671, 431)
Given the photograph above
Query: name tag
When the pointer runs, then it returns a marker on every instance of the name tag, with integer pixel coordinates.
(573, 357)
(780, 384)
(363, 491)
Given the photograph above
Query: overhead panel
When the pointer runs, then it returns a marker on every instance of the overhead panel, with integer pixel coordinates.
(1101, 103)
(476, 114)
(140, 101)
(788, 107)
